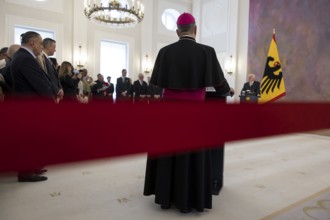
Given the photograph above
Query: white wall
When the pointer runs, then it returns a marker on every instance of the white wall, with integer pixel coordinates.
(32, 14)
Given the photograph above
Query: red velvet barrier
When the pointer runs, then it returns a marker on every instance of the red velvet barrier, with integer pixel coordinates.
(35, 133)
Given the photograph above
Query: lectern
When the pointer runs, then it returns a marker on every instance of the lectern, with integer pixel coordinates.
(248, 97)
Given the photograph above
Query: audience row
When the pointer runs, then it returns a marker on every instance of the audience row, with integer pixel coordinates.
(61, 82)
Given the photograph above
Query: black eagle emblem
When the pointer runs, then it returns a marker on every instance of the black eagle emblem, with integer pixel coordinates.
(270, 80)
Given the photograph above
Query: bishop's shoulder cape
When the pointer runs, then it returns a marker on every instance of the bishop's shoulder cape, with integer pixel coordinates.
(187, 65)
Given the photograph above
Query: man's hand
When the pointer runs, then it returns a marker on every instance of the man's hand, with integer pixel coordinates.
(232, 92)
(60, 94)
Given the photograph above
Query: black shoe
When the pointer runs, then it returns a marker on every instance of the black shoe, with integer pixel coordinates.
(31, 178)
(165, 206)
(39, 172)
(185, 211)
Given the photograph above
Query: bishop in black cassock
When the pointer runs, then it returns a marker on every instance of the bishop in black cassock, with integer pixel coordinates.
(184, 69)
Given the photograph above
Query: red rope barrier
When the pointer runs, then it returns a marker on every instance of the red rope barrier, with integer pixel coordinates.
(34, 133)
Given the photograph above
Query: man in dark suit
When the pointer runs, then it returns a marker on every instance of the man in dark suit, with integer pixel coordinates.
(123, 86)
(140, 88)
(30, 81)
(251, 87)
(49, 48)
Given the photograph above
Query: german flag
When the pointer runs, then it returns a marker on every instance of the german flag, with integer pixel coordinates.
(272, 84)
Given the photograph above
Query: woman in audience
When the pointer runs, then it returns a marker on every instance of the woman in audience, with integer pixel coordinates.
(69, 80)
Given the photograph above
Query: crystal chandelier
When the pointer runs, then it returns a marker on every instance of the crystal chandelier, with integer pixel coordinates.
(114, 13)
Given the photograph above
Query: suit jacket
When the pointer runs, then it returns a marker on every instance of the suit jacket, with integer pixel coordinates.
(52, 72)
(139, 89)
(123, 86)
(187, 65)
(254, 88)
(28, 77)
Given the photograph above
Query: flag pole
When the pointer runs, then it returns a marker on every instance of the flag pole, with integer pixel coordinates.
(273, 30)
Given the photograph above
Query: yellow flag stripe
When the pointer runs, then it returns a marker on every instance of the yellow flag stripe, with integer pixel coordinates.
(272, 83)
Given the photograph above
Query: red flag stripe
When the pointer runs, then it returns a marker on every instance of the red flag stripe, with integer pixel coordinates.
(34, 133)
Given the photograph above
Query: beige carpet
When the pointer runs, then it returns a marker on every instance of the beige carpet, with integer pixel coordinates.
(316, 207)
(261, 177)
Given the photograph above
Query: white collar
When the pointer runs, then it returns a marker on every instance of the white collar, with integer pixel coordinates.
(30, 51)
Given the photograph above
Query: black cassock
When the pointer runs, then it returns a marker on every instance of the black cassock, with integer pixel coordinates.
(184, 179)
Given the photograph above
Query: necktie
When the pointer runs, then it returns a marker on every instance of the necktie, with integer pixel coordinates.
(50, 63)
(42, 63)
